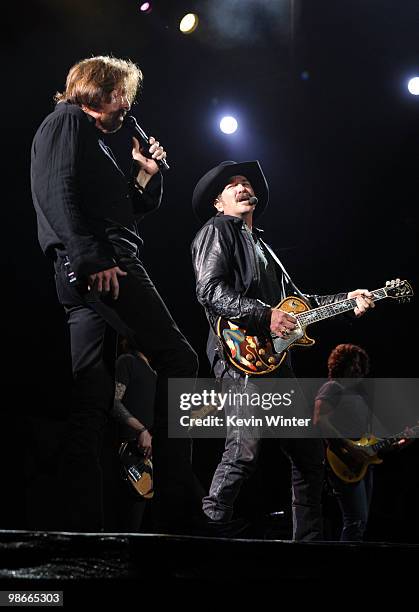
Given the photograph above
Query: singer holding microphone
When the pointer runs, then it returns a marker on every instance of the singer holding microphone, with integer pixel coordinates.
(239, 277)
(87, 212)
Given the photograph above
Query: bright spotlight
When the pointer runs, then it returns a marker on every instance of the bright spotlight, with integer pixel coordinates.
(145, 7)
(413, 86)
(188, 23)
(228, 125)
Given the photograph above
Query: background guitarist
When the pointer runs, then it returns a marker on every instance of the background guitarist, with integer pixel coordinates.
(239, 277)
(341, 412)
(133, 408)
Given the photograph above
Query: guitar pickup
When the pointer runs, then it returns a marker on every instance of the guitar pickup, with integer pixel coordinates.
(134, 473)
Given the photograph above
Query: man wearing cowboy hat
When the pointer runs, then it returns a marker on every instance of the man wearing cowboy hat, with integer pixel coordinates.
(239, 277)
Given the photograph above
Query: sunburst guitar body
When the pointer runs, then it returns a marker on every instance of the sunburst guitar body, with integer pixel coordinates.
(261, 356)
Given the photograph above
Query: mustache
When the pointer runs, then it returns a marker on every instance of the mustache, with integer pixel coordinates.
(243, 196)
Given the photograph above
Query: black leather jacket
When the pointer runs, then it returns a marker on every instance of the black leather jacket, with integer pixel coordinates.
(227, 278)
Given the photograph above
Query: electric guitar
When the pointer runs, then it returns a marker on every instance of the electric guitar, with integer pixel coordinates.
(351, 468)
(136, 470)
(261, 356)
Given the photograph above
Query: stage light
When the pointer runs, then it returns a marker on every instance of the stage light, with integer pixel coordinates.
(228, 125)
(188, 23)
(413, 86)
(145, 7)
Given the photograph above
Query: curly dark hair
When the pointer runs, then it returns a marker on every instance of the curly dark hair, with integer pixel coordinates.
(348, 360)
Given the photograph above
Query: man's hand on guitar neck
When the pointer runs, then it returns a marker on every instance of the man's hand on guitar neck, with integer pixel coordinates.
(363, 301)
(282, 323)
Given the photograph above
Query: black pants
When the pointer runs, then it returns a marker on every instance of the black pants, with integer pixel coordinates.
(141, 312)
(239, 461)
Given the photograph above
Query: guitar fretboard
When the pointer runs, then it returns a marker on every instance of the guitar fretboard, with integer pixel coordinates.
(331, 310)
(388, 442)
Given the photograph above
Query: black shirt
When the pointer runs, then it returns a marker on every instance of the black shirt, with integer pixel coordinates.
(86, 207)
(269, 290)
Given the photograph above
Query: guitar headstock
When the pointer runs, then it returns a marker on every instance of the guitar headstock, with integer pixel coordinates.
(399, 290)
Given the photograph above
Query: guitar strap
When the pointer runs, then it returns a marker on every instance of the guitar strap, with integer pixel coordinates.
(285, 276)
(275, 258)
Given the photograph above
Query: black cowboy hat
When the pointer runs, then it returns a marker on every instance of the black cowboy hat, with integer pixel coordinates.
(213, 182)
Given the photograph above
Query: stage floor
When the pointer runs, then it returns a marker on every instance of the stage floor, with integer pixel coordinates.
(115, 568)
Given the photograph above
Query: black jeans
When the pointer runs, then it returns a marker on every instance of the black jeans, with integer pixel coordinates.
(240, 458)
(139, 311)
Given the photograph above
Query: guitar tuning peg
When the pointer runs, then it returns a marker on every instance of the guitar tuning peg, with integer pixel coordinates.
(387, 283)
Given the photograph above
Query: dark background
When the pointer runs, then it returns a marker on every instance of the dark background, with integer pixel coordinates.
(320, 93)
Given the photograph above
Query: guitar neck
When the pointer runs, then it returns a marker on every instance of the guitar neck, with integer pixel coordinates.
(388, 442)
(336, 308)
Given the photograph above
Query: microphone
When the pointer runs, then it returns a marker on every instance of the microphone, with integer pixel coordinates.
(131, 123)
(253, 200)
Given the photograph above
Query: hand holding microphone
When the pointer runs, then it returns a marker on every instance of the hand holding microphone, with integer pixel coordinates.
(146, 166)
(145, 141)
